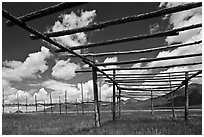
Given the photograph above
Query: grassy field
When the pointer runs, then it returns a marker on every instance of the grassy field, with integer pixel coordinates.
(134, 123)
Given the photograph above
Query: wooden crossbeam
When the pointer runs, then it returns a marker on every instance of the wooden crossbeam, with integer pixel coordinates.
(46, 11)
(134, 38)
(158, 48)
(123, 20)
(148, 60)
(142, 68)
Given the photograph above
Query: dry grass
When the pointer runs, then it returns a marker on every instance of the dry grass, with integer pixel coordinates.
(140, 123)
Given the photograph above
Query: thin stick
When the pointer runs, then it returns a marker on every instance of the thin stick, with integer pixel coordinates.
(148, 60)
(186, 97)
(152, 106)
(172, 100)
(65, 101)
(139, 51)
(123, 20)
(82, 99)
(142, 68)
(46, 11)
(113, 109)
(134, 38)
(96, 103)
(36, 105)
(60, 109)
(51, 102)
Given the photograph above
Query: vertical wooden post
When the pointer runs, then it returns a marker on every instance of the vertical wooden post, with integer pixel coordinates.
(152, 105)
(44, 107)
(172, 100)
(18, 102)
(100, 99)
(51, 101)
(3, 100)
(113, 109)
(60, 109)
(76, 106)
(119, 103)
(82, 99)
(65, 101)
(186, 97)
(96, 104)
(26, 104)
(36, 105)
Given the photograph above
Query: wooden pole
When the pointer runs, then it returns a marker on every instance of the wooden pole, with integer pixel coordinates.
(172, 100)
(65, 101)
(77, 107)
(46, 11)
(82, 99)
(113, 109)
(44, 107)
(36, 105)
(26, 104)
(18, 102)
(152, 105)
(51, 102)
(3, 100)
(60, 109)
(186, 97)
(119, 103)
(96, 104)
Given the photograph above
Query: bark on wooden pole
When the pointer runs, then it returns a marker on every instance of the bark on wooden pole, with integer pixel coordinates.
(77, 107)
(65, 101)
(113, 109)
(172, 100)
(18, 102)
(119, 103)
(51, 102)
(152, 105)
(186, 97)
(82, 99)
(26, 104)
(44, 107)
(60, 109)
(3, 100)
(96, 103)
(36, 105)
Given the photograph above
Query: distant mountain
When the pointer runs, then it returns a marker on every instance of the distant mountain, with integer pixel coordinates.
(195, 99)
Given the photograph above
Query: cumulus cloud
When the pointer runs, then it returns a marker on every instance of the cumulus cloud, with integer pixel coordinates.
(64, 69)
(71, 21)
(177, 20)
(34, 63)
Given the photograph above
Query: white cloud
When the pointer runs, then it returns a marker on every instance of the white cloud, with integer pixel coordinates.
(64, 69)
(177, 20)
(41, 95)
(71, 21)
(34, 63)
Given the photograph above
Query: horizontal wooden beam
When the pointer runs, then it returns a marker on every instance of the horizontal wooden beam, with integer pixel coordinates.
(123, 20)
(134, 38)
(148, 60)
(158, 48)
(46, 11)
(143, 68)
(151, 85)
(142, 89)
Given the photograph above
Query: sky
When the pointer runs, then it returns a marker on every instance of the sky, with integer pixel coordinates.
(31, 67)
